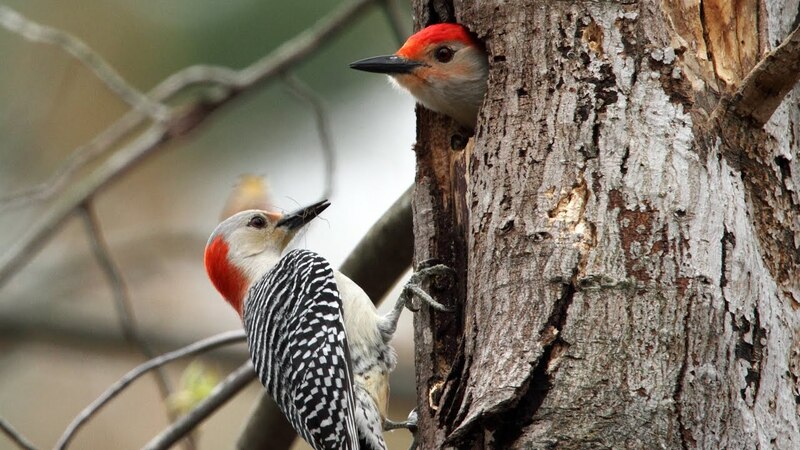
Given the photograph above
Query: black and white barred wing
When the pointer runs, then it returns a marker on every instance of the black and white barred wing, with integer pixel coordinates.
(295, 331)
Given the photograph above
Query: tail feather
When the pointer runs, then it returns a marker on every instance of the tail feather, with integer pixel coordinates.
(368, 422)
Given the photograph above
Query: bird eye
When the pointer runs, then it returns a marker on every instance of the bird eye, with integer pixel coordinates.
(444, 54)
(257, 222)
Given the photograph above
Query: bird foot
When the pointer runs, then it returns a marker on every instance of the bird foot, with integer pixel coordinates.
(410, 424)
(442, 277)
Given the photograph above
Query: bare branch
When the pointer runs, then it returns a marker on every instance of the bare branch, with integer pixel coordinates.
(394, 14)
(36, 324)
(195, 76)
(302, 91)
(304, 44)
(85, 154)
(79, 158)
(223, 392)
(370, 266)
(764, 88)
(32, 31)
(227, 338)
(42, 229)
(122, 303)
(179, 125)
(14, 436)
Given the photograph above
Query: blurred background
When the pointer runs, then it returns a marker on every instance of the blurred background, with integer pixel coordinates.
(60, 341)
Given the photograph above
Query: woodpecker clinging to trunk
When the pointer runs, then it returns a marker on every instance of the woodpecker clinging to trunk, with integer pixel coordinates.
(443, 66)
(315, 338)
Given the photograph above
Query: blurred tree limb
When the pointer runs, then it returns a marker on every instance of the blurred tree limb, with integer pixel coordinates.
(73, 329)
(32, 31)
(204, 345)
(302, 91)
(377, 262)
(180, 122)
(15, 436)
(122, 303)
(394, 14)
(227, 389)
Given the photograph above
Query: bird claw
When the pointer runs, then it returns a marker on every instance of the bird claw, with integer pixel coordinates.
(441, 276)
(413, 287)
(445, 276)
(430, 262)
(410, 424)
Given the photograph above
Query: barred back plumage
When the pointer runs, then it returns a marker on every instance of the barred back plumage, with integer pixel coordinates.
(296, 335)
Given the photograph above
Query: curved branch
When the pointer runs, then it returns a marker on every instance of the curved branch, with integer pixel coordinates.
(41, 325)
(78, 159)
(223, 392)
(377, 262)
(32, 31)
(227, 338)
(302, 91)
(42, 229)
(116, 132)
(122, 302)
(394, 14)
(181, 123)
(14, 435)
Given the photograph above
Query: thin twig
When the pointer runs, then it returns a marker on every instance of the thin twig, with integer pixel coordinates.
(224, 391)
(40, 324)
(15, 436)
(304, 92)
(227, 338)
(78, 159)
(304, 44)
(43, 228)
(375, 264)
(32, 31)
(122, 303)
(179, 125)
(82, 156)
(394, 14)
(283, 58)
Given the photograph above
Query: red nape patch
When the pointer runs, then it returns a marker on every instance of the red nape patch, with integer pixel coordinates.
(227, 278)
(434, 34)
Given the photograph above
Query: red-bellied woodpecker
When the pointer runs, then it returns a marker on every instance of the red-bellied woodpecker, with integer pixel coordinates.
(443, 66)
(315, 338)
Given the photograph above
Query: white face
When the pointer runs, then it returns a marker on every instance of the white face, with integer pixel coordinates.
(255, 233)
(253, 241)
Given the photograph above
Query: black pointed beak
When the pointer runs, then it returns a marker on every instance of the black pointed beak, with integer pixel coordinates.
(391, 64)
(302, 216)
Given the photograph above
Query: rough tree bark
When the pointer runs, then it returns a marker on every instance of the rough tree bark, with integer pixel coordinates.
(625, 226)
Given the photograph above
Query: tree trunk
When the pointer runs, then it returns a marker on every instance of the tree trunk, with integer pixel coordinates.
(625, 231)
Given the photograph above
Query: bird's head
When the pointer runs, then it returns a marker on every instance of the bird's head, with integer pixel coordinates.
(443, 66)
(246, 245)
